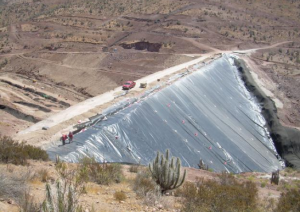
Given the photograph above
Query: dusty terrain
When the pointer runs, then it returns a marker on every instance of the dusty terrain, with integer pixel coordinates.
(55, 54)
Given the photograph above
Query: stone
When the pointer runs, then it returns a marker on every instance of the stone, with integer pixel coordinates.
(160, 206)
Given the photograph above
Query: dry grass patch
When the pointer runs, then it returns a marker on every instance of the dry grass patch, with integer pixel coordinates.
(43, 175)
(289, 201)
(225, 194)
(120, 196)
(103, 174)
(134, 168)
(92, 188)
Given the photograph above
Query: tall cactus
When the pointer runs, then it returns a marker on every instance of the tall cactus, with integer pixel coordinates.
(61, 198)
(167, 173)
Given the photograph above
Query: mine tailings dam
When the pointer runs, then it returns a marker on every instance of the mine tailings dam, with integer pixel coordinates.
(208, 114)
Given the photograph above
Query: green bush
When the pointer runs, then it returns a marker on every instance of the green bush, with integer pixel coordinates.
(18, 153)
(289, 201)
(263, 184)
(226, 195)
(103, 174)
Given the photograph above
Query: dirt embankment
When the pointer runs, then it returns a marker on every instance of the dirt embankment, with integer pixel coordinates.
(286, 139)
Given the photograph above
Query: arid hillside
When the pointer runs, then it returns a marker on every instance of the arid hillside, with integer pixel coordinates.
(54, 54)
(29, 185)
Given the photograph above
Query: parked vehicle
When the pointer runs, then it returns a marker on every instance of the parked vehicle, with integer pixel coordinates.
(143, 85)
(128, 85)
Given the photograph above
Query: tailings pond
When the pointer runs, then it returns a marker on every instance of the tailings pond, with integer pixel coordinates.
(207, 114)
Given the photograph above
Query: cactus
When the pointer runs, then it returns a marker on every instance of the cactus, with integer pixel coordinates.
(61, 198)
(275, 177)
(57, 159)
(202, 165)
(166, 173)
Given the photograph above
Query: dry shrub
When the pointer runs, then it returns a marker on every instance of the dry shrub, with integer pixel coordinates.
(224, 195)
(267, 204)
(152, 198)
(43, 175)
(289, 201)
(143, 183)
(289, 170)
(134, 168)
(145, 187)
(12, 186)
(178, 192)
(18, 153)
(103, 174)
(27, 204)
(120, 196)
(91, 188)
(167, 202)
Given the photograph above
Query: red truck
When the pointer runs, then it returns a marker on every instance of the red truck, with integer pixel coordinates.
(128, 85)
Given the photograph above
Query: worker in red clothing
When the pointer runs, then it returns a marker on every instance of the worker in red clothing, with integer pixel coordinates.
(64, 138)
(70, 137)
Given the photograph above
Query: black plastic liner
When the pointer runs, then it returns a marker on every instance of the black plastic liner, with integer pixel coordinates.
(206, 115)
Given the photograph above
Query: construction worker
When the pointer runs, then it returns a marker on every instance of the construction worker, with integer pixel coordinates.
(70, 137)
(63, 139)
